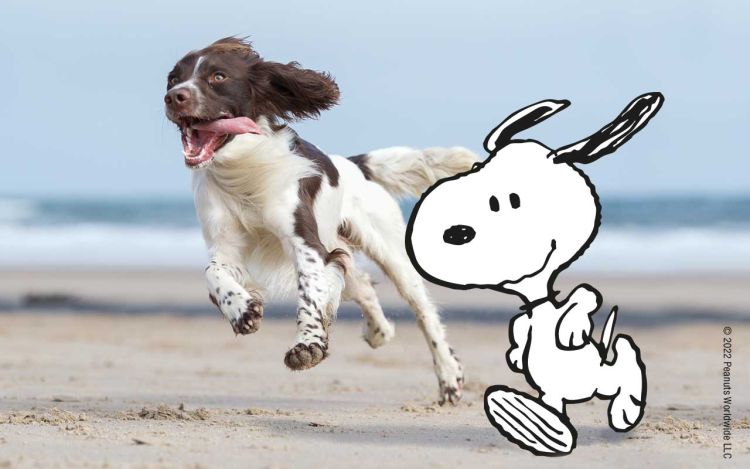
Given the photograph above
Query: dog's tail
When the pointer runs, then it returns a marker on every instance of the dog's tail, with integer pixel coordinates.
(407, 171)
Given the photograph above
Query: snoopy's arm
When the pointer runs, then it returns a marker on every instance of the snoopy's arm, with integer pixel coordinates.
(519, 337)
(575, 326)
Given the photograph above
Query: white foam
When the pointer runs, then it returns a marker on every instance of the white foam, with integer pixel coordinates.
(668, 250)
(614, 250)
(15, 210)
(100, 246)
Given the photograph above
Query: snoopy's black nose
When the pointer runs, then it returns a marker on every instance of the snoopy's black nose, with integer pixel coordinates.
(459, 234)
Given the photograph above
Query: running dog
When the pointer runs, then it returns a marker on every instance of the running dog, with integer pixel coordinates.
(277, 213)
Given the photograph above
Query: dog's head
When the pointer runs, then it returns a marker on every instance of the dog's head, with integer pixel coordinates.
(222, 90)
(525, 212)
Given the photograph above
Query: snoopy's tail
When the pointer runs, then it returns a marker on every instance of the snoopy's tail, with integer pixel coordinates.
(407, 171)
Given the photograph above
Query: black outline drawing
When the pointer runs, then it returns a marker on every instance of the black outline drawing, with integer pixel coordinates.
(545, 430)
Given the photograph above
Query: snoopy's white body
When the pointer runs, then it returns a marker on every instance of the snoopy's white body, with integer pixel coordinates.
(554, 348)
(560, 374)
(512, 224)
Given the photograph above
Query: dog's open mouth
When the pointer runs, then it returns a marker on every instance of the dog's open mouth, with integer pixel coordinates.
(201, 138)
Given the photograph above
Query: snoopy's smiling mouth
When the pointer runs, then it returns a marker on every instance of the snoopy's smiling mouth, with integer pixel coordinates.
(553, 247)
(201, 138)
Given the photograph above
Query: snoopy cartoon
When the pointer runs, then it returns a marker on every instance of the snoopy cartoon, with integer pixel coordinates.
(512, 224)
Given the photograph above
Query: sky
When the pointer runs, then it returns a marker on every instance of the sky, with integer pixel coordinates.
(83, 83)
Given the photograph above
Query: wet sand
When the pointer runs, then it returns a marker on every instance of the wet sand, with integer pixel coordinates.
(166, 390)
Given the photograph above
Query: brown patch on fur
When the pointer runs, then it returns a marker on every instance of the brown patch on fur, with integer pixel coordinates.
(213, 300)
(306, 226)
(289, 91)
(307, 150)
(361, 162)
(345, 231)
(253, 88)
(232, 45)
(339, 257)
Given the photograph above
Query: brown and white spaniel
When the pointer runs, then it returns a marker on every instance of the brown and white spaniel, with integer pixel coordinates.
(278, 212)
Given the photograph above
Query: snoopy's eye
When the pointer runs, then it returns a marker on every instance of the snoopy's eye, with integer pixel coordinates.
(494, 204)
(515, 201)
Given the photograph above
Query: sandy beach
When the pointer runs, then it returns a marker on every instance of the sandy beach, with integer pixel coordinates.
(162, 389)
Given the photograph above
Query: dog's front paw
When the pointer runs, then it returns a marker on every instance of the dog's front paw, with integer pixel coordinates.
(574, 330)
(250, 320)
(244, 312)
(304, 356)
(450, 381)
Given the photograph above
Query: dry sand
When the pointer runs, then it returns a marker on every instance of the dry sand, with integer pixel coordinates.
(159, 390)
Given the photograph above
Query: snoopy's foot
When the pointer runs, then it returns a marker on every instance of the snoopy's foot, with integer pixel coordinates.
(628, 405)
(625, 412)
(529, 422)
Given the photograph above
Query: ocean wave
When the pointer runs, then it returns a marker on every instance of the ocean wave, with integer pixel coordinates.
(728, 213)
(614, 250)
(669, 250)
(17, 210)
(99, 245)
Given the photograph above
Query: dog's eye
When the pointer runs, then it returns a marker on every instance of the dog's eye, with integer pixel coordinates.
(494, 204)
(172, 80)
(515, 201)
(218, 76)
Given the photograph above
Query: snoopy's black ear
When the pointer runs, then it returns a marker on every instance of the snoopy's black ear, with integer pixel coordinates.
(610, 137)
(522, 120)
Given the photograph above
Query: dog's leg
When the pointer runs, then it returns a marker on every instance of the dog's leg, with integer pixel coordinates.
(243, 308)
(320, 273)
(227, 241)
(377, 329)
(320, 282)
(380, 234)
(447, 366)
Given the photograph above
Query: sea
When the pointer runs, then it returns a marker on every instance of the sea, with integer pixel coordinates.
(638, 234)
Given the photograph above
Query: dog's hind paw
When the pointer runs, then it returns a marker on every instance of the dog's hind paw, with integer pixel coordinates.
(450, 394)
(378, 335)
(304, 356)
(451, 382)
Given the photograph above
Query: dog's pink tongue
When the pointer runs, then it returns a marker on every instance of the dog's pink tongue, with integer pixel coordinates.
(233, 126)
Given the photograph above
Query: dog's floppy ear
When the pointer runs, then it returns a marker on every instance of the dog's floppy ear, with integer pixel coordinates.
(291, 92)
(522, 120)
(610, 137)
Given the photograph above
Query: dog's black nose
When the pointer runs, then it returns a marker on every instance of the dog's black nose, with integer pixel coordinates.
(179, 97)
(459, 234)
